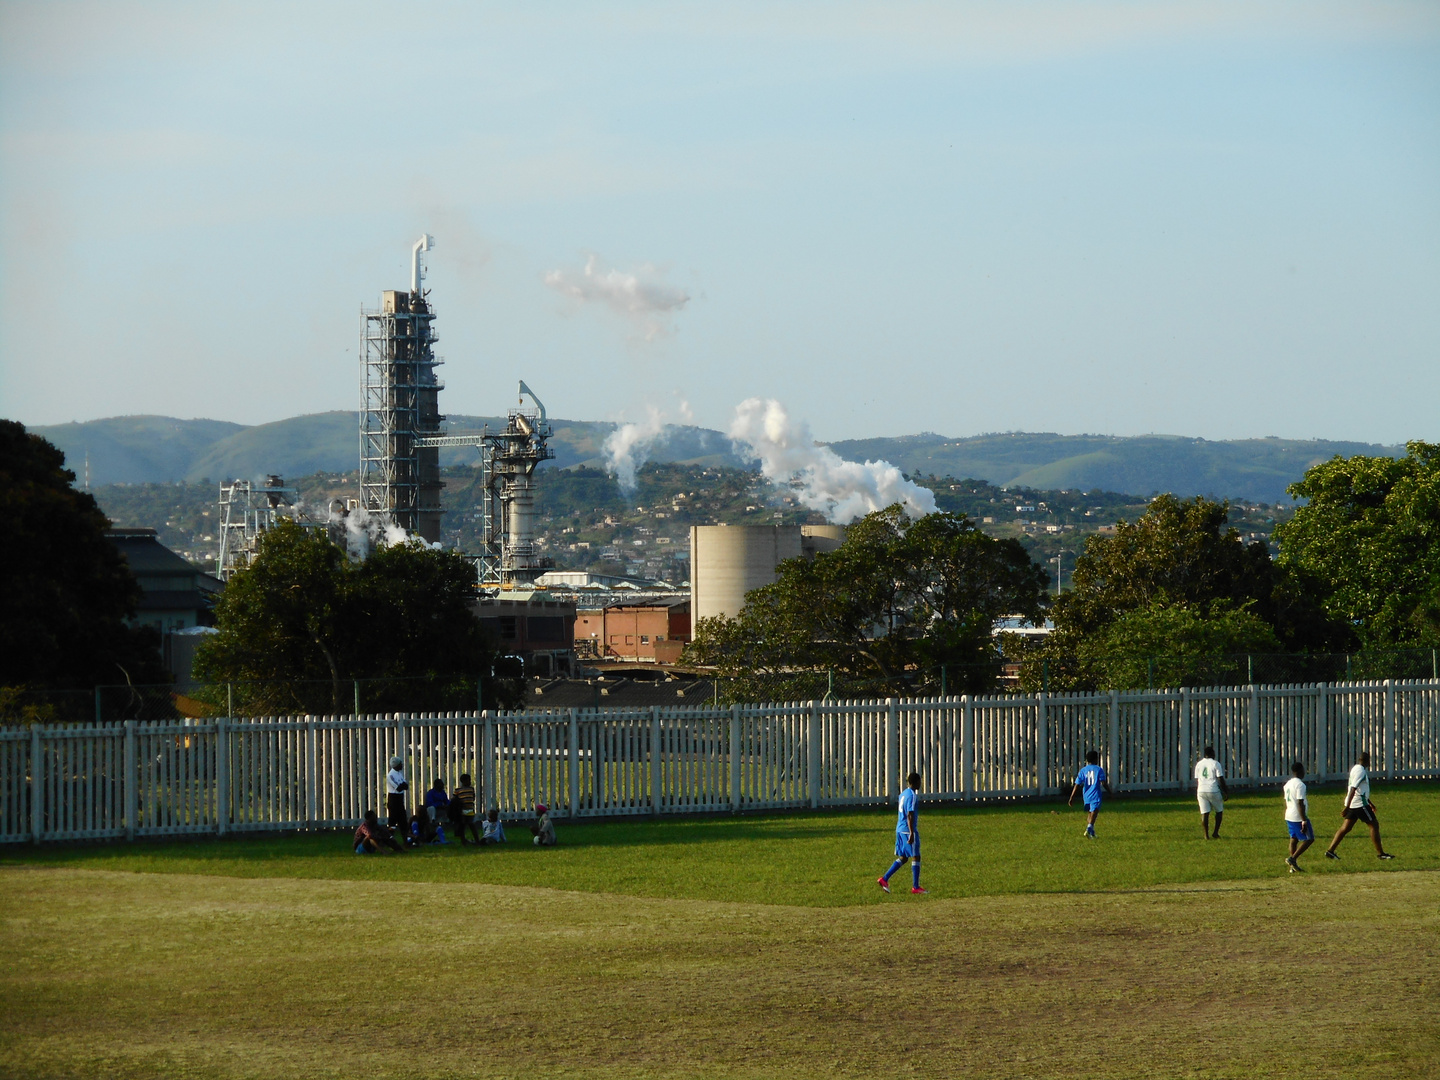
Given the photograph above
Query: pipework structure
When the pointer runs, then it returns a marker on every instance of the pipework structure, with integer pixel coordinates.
(247, 513)
(510, 558)
(400, 407)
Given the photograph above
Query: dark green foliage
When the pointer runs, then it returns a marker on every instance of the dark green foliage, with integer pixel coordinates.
(881, 615)
(1367, 544)
(67, 590)
(1177, 588)
(304, 621)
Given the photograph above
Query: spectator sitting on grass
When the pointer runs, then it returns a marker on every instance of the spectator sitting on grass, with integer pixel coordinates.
(437, 803)
(462, 809)
(422, 829)
(543, 829)
(494, 829)
(371, 835)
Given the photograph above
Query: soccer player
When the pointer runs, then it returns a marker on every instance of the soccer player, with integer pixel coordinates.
(1358, 807)
(907, 837)
(1297, 817)
(1091, 780)
(1210, 790)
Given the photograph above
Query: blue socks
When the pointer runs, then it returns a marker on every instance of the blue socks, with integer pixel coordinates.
(915, 872)
(895, 866)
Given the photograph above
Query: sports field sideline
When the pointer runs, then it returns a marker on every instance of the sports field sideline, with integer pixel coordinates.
(753, 946)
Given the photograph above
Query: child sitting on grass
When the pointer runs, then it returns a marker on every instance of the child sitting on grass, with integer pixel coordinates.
(371, 835)
(543, 829)
(494, 829)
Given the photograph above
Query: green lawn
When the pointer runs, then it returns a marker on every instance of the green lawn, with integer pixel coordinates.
(740, 947)
(831, 859)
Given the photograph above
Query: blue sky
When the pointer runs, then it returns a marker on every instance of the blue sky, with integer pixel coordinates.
(1215, 219)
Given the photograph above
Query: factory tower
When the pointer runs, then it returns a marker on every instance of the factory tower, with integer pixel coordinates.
(400, 407)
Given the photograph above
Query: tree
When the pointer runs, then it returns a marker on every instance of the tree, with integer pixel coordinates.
(1179, 557)
(883, 614)
(1367, 542)
(1177, 645)
(304, 621)
(69, 592)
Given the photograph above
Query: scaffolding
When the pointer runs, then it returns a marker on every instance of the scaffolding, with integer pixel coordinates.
(247, 513)
(400, 408)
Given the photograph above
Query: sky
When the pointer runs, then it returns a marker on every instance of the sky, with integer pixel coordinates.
(1212, 219)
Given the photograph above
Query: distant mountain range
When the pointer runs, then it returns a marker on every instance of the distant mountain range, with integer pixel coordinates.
(158, 449)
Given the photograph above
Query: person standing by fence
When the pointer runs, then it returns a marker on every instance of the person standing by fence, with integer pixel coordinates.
(1210, 791)
(462, 809)
(1358, 807)
(395, 789)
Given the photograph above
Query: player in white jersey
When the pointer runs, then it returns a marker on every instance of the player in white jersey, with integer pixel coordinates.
(1297, 817)
(1358, 807)
(1210, 789)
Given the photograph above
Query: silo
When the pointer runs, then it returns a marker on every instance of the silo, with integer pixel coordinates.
(816, 539)
(727, 561)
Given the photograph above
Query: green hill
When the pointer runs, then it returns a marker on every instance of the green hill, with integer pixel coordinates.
(1257, 469)
(158, 449)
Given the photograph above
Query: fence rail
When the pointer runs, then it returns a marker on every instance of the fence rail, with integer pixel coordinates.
(225, 775)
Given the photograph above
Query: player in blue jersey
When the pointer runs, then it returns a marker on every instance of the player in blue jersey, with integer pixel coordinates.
(907, 837)
(1090, 781)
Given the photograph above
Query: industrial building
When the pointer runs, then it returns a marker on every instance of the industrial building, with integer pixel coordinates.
(400, 408)
(540, 631)
(727, 561)
(174, 593)
(654, 631)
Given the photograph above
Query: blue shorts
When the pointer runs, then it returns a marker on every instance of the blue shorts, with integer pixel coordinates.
(904, 849)
(1300, 830)
(1093, 807)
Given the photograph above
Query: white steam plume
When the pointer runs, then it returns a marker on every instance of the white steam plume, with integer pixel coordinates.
(628, 446)
(640, 296)
(364, 532)
(841, 490)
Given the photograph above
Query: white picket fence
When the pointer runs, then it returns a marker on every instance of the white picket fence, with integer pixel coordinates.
(319, 772)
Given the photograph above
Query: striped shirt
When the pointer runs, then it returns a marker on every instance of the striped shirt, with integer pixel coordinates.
(465, 796)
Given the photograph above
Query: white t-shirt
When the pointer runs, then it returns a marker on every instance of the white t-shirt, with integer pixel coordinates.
(1360, 781)
(393, 779)
(1294, 796)
(1207, 775)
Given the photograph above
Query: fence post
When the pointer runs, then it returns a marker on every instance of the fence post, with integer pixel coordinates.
(1322, 731)
(131, 782)
(655, 760)
(1114, 769)
(222, 776)
(1185, 752)
(812, 762)
(735, 757)
(487, 748)
(99, 712)
(1252, 735)
(37, 785)
(1042, 748)
(311, 785)
(967, 748)
(1389, 729)
(574, 764)
(892, 741)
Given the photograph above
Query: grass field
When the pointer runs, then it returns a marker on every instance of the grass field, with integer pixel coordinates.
(745, 947)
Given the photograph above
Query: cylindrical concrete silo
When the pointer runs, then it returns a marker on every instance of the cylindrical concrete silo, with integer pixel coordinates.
(815, 539)
(727, 561)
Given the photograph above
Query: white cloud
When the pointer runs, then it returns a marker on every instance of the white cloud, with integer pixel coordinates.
(640, 296)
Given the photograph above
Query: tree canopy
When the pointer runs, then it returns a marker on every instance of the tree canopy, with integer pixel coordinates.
(68, 590)
(1367, 542)
(1180, 589)
(304, 620)
(882, 614)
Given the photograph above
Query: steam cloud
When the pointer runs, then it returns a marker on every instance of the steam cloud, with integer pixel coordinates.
(364, 532)
(627, 447)
(638, 296)
(841, 490)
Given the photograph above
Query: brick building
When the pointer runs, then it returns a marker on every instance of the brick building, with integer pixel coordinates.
(654, 631)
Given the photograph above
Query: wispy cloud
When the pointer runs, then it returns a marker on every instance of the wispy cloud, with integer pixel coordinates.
(640, 296)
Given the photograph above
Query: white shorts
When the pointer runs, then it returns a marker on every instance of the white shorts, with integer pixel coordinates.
(1211, 802)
